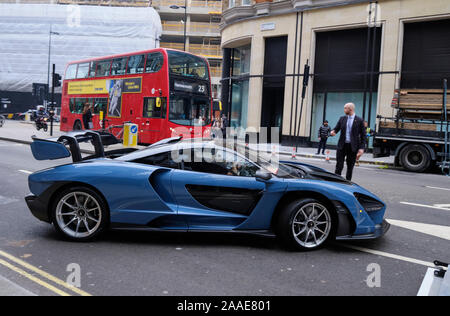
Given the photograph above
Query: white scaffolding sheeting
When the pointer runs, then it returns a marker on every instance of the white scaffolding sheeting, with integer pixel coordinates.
(78, 32)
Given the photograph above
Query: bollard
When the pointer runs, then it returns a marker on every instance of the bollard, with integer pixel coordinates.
(130, 135)
(327, 158)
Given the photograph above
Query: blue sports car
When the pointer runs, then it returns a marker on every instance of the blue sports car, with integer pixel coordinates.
(178, 185)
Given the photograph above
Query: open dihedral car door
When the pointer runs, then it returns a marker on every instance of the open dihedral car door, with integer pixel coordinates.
(56, 148)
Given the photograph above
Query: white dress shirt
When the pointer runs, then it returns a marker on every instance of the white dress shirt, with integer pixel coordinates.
(348, 132)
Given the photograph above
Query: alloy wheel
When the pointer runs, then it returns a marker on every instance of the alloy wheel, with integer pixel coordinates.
(78, 214)
(311, 225)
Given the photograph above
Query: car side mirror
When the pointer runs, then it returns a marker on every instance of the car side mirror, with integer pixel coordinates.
(263, 175)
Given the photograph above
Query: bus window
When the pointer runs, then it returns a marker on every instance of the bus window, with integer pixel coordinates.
(71, 72)
(76, 105)
(154, 62)
(151, 109)
(103, 68)
(92, 69)
(190, 111)
(100, 104)
(136, 64)
(182, 64)
(119, 66)
(83, 71)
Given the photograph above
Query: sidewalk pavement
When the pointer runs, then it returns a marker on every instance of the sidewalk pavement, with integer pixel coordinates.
(21, 132)
(8, 288)
(311, 152)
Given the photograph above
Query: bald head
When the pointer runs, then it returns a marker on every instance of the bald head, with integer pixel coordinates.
(349, 109)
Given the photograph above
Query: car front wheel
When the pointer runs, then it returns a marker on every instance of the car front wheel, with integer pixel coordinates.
(80, 214)
(305, 224)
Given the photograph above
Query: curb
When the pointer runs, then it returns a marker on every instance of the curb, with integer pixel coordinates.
(9, 288)
(367, 162)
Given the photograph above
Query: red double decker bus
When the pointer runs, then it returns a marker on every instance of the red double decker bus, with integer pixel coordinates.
(166, 92)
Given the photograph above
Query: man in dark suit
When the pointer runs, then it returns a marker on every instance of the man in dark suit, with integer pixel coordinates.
(352, 141)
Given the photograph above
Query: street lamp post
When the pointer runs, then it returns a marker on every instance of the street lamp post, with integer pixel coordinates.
(176, 7)
(50, 33)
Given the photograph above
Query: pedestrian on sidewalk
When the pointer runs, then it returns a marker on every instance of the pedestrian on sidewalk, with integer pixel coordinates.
(87, 117)
(217, 127)
(324, 133)
(352, 141)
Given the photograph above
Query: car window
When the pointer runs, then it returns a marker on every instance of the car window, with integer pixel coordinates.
(217, 161)
(163, 159)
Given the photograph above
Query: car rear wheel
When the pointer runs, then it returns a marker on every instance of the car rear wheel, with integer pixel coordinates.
(80, 214)
(305, 224)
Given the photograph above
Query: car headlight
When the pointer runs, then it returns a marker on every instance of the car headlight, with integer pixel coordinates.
(368, 203)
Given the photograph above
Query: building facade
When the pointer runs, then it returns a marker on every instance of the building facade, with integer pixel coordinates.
(200, 34)
(357, 51)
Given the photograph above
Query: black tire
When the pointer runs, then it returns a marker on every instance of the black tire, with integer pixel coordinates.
(45, 128)
(77, 126)
(96, 201)
(284, 225)
(415, 158)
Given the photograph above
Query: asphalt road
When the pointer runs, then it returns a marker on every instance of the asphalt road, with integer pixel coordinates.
(141, 263)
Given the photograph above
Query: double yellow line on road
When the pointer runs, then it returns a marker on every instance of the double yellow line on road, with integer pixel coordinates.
(24, 265)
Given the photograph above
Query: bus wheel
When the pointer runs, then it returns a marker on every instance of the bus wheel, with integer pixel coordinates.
(415, 158)
(77, 126)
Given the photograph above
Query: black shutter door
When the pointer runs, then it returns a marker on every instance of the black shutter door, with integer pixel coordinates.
(341, 60)
(426, 55)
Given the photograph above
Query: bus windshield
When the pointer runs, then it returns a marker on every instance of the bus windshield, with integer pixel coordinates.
(190, 110)
(187, 65)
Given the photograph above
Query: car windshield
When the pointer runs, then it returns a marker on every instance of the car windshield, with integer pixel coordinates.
(276, 168)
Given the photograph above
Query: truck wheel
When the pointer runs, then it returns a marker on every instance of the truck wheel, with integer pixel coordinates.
(415, 158)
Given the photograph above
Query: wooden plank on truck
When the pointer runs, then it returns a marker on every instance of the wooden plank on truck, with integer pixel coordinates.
(413, 126)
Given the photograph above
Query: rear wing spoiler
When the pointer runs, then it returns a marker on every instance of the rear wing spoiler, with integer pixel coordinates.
(69, 145)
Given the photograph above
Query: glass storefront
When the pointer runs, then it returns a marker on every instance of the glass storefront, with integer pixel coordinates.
(330, 106)
(239, 104)
(240, 88)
